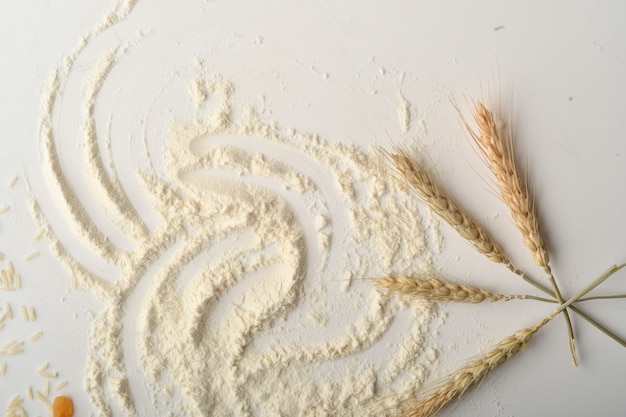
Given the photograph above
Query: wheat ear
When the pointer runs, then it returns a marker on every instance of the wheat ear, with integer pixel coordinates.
(434, 289)
(438, 290)
(441, 203)
(495, 141)
(475, 371)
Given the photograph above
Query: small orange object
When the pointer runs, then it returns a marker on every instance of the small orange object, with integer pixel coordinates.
(63, 407)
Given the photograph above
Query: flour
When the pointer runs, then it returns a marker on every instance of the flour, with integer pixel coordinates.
(249, 295)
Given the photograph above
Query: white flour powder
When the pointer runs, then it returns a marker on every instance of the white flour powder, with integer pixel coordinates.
(248, 295)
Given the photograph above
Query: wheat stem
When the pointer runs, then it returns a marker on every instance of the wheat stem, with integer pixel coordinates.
(580, 300)
(574, 308)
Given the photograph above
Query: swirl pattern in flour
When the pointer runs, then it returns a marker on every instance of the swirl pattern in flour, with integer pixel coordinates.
(224, 248)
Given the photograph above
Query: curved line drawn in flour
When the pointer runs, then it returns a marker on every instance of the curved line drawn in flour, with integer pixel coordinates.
(246, 247)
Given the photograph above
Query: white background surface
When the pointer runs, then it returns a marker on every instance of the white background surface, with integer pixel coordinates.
(563, 64)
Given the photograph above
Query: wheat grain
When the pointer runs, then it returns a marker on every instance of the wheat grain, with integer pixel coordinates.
(434, 289)
(440, 202)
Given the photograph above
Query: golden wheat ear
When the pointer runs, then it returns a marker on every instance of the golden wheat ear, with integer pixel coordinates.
(418, 179)
(442, 291)
(494, 139)
(495, 142)
(436, 290)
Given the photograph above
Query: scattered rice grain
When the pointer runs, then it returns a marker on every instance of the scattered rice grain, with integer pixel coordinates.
(9, 310)
(43, 399)
(16, 348)
(4, 209)
(24, 313)
(58, 387)
(3, 368)
(42, 368)
(32, 316)
(39, 234)
(8, 344)
(12, 181)
(36, 336)
(29, 392)
(31, 256)
(51, 375)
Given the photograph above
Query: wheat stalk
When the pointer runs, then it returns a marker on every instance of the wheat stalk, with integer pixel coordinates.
(495, 142)
(457, 384)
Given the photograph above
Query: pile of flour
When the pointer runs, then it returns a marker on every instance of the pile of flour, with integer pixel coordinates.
(243, 288)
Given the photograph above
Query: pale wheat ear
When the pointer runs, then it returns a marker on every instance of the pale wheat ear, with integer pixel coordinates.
(441, 291)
